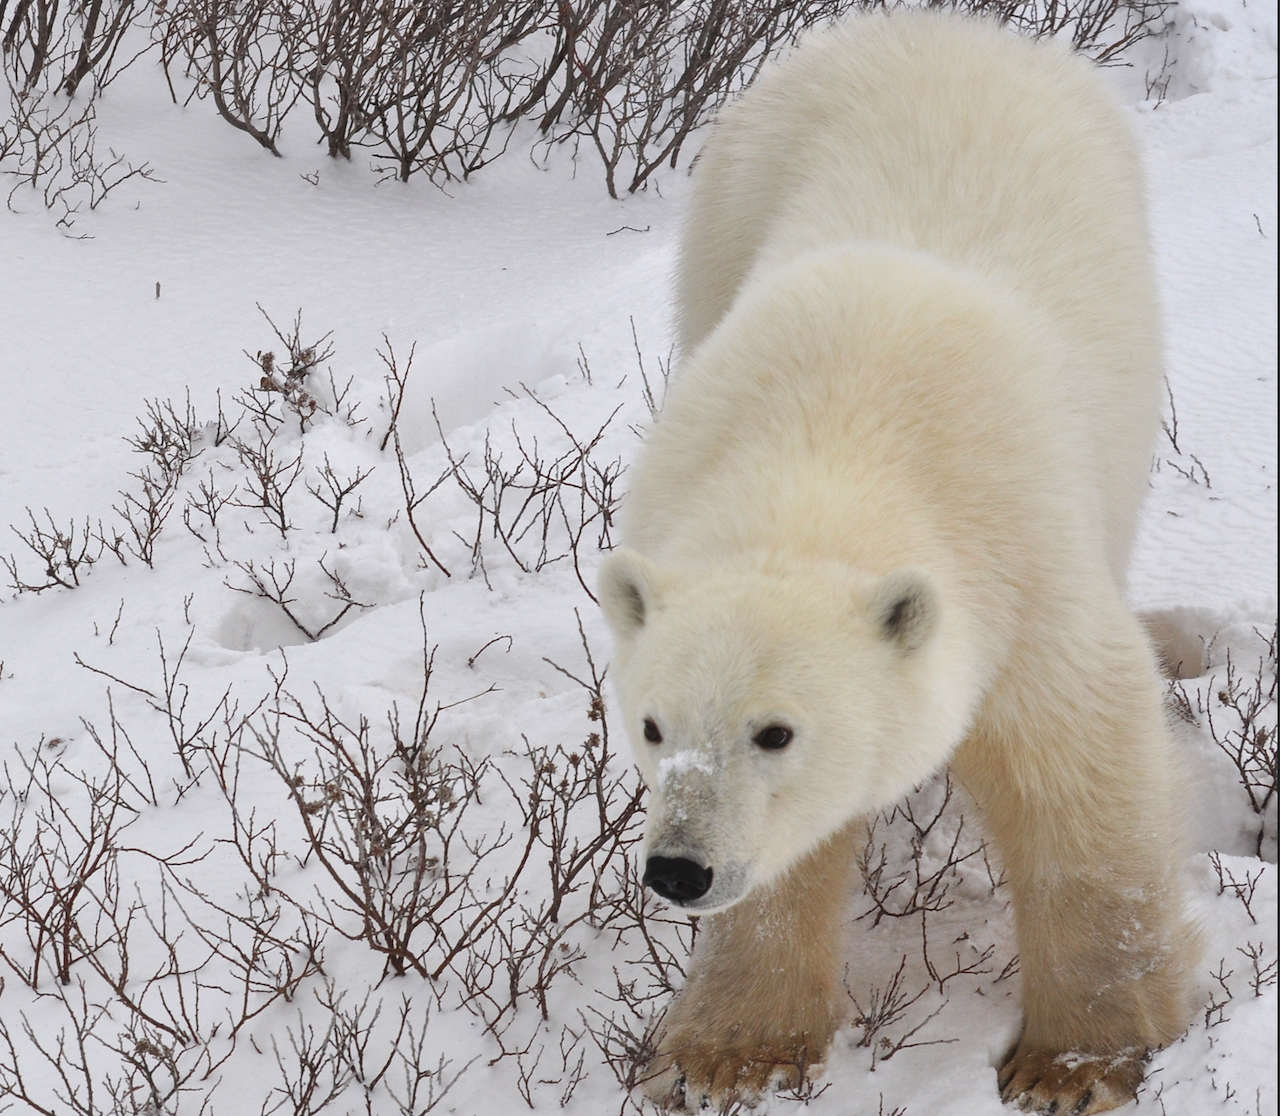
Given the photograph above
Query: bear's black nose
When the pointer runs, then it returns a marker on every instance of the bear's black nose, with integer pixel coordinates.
(677, 879)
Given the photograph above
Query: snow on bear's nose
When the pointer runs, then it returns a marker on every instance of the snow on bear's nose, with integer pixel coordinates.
(677, 879)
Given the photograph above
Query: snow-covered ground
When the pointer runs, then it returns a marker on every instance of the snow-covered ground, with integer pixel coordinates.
(532, 299)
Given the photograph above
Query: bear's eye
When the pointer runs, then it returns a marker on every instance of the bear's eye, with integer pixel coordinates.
(774, 738)
(651, 732)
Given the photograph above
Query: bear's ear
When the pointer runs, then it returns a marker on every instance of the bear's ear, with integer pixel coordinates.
(628, 591)
(905, 608)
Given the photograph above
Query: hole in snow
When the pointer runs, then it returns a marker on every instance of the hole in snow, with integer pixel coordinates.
(254, 625)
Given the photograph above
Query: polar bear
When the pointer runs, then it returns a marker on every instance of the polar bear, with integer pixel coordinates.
(882, 525)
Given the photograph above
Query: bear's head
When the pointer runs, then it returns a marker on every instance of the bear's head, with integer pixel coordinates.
(770, 702)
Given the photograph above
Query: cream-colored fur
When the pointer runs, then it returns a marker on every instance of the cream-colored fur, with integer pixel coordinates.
(888, 506)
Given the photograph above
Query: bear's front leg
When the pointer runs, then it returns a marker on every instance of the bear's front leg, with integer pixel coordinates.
(765, 992)
(1072, 766)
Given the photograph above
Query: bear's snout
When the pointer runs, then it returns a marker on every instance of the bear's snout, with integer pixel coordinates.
(677, 879)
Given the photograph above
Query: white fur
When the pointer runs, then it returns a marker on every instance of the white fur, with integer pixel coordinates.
(889, 505)
(918, 328)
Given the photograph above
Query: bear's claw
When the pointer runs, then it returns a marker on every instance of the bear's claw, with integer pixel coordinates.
(1057, 1084)
(693, 1077)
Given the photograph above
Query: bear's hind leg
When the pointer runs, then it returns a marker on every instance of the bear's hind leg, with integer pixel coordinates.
(1071, 764)
(765, 990)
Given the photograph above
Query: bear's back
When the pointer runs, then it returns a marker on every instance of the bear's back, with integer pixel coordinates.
(931, 131)
(956, 138)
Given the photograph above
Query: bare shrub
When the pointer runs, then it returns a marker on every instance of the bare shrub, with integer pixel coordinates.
(269, 477)
(436, 88)
(1236, 709)
(48, 138)
(43, 38)
(207, 502)
(1264, 974)
(144, 513)
(885, 1008)
(387, 829)
(396, 380)
(167, 436)
(585, 817)
(105, 25)
(523, 506)
(186, 731)
(236, 53)
(640, 77)
(628, 1045)
(413, 500)
(1102, 29)
(351, 1054)
(913, 855)
(338, 47)
(273, 583)
(337, 489)
(1248, 736)
(172, 437)
(637, 79)
(439, 96)
(65, 554)
(652, 399)
(93, 1070)
(1214, 1012)
(1186, 464)
(425, 87)
(311, 1073)
(49, 143)
(383, 832)
(1241, 889)
(51, 858)
(387, 817)
(132, 977)
(169, 439)
(289, 382)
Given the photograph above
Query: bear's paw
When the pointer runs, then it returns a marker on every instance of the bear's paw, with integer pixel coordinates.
(1071, 1084)
(687, 1075)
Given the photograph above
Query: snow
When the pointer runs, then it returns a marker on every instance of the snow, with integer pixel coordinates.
(508, 286)
(681, 763)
